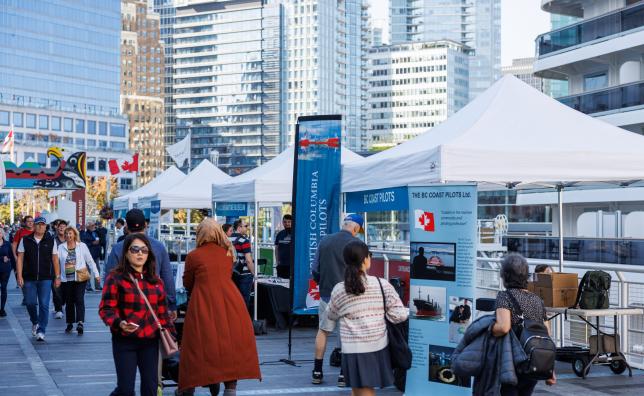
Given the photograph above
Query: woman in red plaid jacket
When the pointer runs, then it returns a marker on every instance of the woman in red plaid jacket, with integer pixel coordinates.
(135, 334)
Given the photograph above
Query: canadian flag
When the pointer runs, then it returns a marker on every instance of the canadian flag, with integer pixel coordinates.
(126, 166)
(424, 220)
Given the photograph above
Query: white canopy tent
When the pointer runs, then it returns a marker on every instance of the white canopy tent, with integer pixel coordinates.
(194, 192)
(168, 178)
(270, 182)
(510, 135)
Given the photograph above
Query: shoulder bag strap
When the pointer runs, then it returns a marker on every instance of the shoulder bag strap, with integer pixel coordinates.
(156, 319)
(384, 301)
(515, 303)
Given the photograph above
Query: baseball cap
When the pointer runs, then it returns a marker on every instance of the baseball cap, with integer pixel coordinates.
(40, 219)
(135, 220)
(356, 218)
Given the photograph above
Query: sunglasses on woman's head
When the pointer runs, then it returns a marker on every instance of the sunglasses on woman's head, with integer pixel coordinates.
(139, 249)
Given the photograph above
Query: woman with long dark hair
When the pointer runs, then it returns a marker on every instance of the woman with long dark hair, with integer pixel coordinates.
(358, 304)
(135, 334)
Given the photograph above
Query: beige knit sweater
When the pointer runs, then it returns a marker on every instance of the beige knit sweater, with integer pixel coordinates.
(362, 322)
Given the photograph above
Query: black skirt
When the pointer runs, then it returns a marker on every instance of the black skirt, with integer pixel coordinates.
(368, 370)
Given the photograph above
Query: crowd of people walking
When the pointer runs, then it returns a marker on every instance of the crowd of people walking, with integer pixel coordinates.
(138, 304)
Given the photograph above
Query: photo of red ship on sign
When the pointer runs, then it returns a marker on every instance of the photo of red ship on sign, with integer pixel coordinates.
(424, 220)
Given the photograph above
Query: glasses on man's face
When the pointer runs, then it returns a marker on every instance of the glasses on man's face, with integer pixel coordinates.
(370, 255)
(139, 249)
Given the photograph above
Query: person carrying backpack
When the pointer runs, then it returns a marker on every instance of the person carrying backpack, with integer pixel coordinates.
(519, 310)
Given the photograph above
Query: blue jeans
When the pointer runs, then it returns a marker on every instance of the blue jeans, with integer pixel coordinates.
(38, 293)
(245, 286)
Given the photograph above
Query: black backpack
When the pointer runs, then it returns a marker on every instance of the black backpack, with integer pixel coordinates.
(593, 291)
(537, 344)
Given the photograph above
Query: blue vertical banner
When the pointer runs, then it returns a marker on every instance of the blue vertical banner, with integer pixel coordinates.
(316, 201)
(442, 269)
(154, 228)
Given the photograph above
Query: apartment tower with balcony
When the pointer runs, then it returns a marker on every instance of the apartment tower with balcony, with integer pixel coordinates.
(229, 81)
(474, 23)
(600, 56)
(327, 64)
(142, 72)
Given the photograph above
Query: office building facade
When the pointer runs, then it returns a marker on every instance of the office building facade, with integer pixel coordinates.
(414, 87)
(142, 74)
(327, 59)
(59, 81)
(474, 23)
(229, 86)
(166, 9)
(522, 69)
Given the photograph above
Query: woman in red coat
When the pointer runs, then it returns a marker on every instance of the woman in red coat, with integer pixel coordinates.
(218, 344)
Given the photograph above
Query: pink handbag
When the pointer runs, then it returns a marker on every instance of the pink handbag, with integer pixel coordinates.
(168, 344)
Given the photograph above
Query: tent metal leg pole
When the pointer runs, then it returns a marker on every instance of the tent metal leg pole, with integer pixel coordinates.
(256, 241)
(560, 321)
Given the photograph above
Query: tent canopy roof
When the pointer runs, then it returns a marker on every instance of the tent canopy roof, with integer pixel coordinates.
(270, 182)
(511, 134)
(162, 182)
(194, 192)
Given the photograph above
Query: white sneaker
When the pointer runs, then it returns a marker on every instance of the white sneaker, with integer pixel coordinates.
(59, 315)
(40, 337)
(34, 330)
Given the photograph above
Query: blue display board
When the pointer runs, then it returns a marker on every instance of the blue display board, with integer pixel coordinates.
(231, 209)
(442, 285)
(377, 200)
(154, 227)
(316, 200)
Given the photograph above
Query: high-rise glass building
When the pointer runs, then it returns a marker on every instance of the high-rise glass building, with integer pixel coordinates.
(142, 85)
(167, 10)
(414, 87)
(59, 81)
(474, 23)
(327, 58)
(229, 85)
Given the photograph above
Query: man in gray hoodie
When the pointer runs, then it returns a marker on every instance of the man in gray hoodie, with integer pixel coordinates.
(327, 271)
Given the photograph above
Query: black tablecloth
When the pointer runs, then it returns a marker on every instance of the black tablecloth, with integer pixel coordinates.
(273, 304)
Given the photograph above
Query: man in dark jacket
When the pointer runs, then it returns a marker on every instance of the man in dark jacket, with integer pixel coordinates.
(135, 220)
(91, 238)
(327, 271)
(36, 269)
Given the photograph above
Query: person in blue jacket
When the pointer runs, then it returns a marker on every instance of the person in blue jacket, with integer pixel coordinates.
(135, 220)
(7, 263)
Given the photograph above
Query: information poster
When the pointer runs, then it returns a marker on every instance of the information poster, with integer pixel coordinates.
(316, 201)
(442, 285)
(154, 227)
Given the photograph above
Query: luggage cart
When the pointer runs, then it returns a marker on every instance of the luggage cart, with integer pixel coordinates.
(582, 359)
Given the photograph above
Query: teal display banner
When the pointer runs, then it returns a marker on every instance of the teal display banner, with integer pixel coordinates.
(377, 200)
(231, 209)
(316, 201)
(442, 285)
(154, 227)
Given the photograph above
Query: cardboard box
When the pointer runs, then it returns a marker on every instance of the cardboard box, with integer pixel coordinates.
(557, 298)
(556, 280)
(607, 343)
